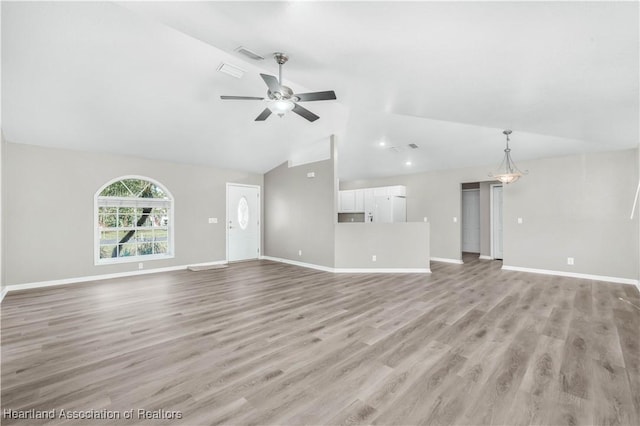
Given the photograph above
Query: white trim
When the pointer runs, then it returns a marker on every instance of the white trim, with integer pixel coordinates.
(3, 293)
(445, 260)
(382, 270)
(296, 263)
(491, 230)
(483, 257)
(78, 280)
(226, 217)
(572, 275)
(349, 270)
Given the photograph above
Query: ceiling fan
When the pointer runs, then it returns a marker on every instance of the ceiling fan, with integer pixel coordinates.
(281, 98)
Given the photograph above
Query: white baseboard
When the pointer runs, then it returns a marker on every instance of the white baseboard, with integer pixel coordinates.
(382, 270)
(296, 263)
(78, 280)
(350, 270)
(617, 280)
(3, 293)
(483, 257)
(442, 259)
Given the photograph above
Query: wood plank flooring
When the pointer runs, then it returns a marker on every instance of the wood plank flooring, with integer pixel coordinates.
(266, 343)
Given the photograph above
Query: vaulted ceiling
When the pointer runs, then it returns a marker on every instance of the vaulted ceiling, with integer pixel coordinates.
(139, 78)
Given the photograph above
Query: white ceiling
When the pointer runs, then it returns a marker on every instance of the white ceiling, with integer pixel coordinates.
(139, 78)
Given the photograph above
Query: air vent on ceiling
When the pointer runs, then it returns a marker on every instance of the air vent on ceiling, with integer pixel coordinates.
(413, 146)
(249, 53)
(231, 70)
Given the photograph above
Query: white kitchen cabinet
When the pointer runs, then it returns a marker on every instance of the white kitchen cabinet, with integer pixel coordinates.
(351, 201)
(370, 201)
(397, 191)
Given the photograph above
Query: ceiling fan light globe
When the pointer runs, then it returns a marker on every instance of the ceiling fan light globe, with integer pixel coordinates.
(281, 106)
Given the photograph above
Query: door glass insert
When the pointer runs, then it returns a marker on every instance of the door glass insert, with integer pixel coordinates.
(243, 213)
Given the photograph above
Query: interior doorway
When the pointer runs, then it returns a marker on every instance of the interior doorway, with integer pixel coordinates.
(243, 222)
(476, 221)
(471, 220)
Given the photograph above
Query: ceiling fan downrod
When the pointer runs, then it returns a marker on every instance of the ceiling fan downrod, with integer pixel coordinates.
(281, 59)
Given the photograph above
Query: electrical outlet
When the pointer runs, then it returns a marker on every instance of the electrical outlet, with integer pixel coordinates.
(455, 219)
(213, 220)
(520, 221)
(373, 258)
(426, 219)
(569, 260)
(140, 265)
(299, 252)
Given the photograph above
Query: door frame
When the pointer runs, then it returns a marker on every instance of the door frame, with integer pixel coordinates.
(226, 217)
(491, 230)
(462, 221)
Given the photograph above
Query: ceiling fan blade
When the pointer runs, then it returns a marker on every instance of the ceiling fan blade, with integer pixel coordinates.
(316, 96)
(272, 83)
(242, 98)
(303, 112)
(263, 115)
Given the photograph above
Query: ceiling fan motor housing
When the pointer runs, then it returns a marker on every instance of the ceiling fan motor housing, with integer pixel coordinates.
(285, 93)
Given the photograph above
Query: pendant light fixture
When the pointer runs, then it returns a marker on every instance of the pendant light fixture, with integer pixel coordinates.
(507, 172)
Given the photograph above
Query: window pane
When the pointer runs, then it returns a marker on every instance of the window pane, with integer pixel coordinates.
(160, 219)
(160, 234)
(107, 252)
(108, 237)
(145, 248)
(144, 236)
(125, 221)
(128, 249)
(160, 248)
(108, 221)
(147, 222)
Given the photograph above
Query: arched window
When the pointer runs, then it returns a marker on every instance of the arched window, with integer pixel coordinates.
(134, 221)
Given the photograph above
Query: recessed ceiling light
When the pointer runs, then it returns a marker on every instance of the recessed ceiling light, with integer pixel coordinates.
(408, 163)
(383, 143)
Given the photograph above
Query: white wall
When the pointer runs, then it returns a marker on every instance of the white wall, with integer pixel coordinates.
(573, 206)
(49, 210)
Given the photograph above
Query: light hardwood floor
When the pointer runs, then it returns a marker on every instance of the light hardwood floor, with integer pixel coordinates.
(267, 343)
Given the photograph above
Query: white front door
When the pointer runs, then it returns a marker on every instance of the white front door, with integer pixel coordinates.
(243, 222)
(496, 221)
(471, 221)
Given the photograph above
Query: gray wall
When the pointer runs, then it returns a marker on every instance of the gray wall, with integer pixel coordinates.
(49, 210)
(572, 206)
(395, 245)
(300, 212)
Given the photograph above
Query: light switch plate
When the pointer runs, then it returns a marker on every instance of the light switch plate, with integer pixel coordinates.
(213, 220)
(455, 219)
